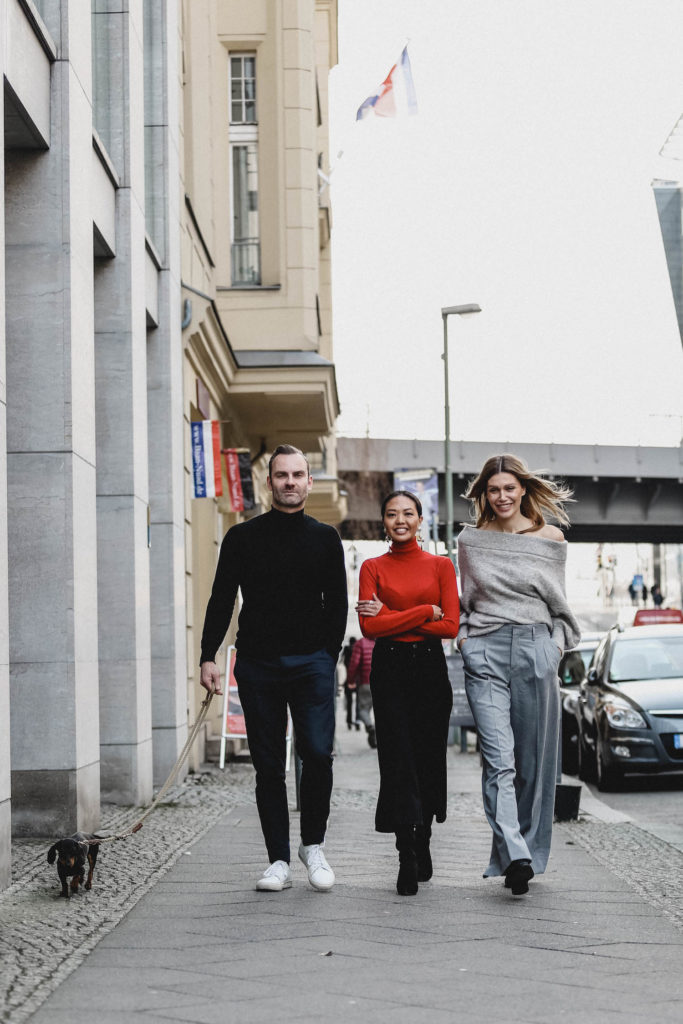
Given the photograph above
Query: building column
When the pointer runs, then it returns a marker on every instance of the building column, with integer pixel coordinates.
(165, 389)
(5, 783)
(52, 565)
(121, 405)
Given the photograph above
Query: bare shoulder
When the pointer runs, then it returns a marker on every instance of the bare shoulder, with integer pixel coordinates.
(551, 533)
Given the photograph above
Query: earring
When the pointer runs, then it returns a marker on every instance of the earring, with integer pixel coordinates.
(387, 537)
(419, 537)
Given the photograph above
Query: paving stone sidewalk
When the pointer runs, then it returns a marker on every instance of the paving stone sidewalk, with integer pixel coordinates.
(174, 931)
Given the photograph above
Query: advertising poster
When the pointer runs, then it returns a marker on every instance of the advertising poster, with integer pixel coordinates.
(424, 484)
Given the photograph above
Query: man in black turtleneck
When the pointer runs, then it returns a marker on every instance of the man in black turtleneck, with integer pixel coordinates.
(290, 569)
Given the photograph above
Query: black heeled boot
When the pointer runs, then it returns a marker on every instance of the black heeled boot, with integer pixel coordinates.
(406, 883)
(423, 833)
(518, 875)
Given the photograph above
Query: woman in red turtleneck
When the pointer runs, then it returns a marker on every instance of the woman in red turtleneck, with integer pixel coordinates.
(408, 603)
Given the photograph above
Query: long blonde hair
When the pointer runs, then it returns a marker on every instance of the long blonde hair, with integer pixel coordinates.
(541, 495)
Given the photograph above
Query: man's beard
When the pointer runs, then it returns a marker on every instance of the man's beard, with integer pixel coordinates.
(289, 497)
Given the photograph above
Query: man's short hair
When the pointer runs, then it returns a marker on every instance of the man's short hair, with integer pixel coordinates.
(286, 449)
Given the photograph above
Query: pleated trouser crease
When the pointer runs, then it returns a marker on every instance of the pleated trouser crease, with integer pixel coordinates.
(513, 691)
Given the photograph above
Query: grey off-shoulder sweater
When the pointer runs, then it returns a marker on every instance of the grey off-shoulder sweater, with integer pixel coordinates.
(512, 578)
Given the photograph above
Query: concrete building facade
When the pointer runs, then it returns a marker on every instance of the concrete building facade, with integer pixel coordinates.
(164, 258)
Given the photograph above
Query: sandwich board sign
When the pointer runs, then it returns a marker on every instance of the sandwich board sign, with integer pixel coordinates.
(233, 726)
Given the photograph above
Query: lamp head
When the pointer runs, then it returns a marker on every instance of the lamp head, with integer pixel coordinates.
(467, 310)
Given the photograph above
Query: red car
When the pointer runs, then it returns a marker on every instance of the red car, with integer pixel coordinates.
(657, 616)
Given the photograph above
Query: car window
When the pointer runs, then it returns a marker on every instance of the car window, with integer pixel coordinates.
(574, 665)
(572, 668)
(653, 658)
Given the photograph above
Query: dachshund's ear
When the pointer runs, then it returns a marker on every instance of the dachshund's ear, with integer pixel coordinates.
(52, 854)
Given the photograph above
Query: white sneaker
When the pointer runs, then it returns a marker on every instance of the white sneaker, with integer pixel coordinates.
(320, 874)
(275, 878)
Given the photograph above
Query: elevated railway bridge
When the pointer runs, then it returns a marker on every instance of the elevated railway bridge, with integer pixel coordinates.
(622, 494)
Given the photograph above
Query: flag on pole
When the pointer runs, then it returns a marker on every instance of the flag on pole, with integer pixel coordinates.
(206, 459)
(398, 85)
(240, 482)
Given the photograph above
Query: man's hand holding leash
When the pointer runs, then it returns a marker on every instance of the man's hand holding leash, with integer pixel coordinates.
(211, 678)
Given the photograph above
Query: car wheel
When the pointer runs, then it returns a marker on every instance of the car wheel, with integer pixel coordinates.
(608, 778)
(586, 761)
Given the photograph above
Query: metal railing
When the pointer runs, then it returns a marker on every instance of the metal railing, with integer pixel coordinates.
(246, 262)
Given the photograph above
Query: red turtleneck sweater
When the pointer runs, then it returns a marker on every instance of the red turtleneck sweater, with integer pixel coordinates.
(408, 581)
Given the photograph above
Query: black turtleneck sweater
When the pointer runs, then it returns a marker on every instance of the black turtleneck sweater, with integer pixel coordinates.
(290, 569)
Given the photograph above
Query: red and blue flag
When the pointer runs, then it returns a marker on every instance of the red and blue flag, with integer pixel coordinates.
(396, 91)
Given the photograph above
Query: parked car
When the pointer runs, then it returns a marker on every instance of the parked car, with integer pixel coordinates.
(655, 616)
(572, 672)
(631, 705)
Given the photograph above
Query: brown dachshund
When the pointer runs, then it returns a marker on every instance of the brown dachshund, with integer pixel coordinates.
(71, 855)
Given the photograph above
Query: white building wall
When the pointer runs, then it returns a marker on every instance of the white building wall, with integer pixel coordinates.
(51, 455)
(5, 783)
(165, 388)
(123, 583)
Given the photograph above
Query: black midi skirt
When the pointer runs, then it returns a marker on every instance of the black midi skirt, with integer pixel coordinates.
(412, 700)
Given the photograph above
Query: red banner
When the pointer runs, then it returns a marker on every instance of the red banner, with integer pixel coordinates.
(240, 481)
(232, 465)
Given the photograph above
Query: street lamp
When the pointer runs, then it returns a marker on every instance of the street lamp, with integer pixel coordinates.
(447, 311)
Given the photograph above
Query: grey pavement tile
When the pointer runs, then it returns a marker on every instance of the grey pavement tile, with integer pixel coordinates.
(491, 968)
(256, 929)
(599, 1013)
(354, 953)
(96, 994)
(668, 1009)
(302, 1005)
(513, 998)
(646, 955)
(104, 1016)
(157, 991)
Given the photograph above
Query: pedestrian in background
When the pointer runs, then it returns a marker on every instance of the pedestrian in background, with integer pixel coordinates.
(359, 677)
(290, 569)
(514, 626)
(637, 590)
(350, 696)
(408, 604)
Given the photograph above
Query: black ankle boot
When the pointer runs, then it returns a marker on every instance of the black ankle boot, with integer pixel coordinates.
(406, 883)
(518, 875)
(423, 834)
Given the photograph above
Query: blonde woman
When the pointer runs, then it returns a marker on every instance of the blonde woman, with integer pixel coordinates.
(514, 625)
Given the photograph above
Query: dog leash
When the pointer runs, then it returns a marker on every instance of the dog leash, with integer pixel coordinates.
(169, 781)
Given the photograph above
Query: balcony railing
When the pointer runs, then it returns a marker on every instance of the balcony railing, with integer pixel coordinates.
(246, 262)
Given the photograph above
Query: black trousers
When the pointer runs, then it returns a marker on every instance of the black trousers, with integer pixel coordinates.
(412, 699)
(306, 682)
(349, 696)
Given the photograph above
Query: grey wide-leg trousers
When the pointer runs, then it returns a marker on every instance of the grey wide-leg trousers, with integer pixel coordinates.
(513, 691)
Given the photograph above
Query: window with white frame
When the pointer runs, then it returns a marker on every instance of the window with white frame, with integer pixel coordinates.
(246, 244)
(242, 88)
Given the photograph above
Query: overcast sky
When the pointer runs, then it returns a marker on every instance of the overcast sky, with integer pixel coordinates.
(524, 184)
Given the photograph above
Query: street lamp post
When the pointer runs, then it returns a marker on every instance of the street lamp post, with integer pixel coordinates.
(447, 311)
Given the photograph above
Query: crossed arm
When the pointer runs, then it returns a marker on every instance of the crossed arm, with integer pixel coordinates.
(378, 620)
